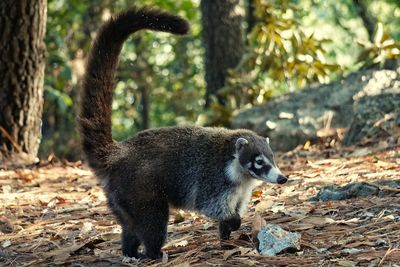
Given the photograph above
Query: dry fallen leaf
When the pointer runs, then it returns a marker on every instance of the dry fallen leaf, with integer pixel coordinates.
(277, 207)
(229, 253)
(359, 244)
(258, 223)
(60, 255)
(242, 251)
(317, 220)
(86, 228)
(352, 251)
(301, 226)
(182, 243)
(207, 225)
(7, 189)
(297, 212)
(129, 260)
(185, 264)
(257, 194)
(6, 243)
(5, 226)
(264, 205)
(109, 236)
(361, 152)
(164, 258)
(178, 218)
(346, 263)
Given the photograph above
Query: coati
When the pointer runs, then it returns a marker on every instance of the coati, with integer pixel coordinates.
(210, 170)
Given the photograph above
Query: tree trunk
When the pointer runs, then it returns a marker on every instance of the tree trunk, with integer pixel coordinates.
(368, 20)
(250, 18)
(145, 102)
(22, 63)
(223, 42)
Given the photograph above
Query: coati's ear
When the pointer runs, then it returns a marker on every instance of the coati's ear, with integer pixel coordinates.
(267, 140)
(240, 143)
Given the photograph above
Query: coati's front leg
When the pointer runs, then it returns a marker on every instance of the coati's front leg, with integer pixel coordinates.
(229, 225)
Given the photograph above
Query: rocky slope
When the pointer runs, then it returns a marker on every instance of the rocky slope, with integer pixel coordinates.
(366, 103)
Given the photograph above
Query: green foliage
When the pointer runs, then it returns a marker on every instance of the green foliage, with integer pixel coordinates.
(168, 68)
(292, 45)
(64, 39)
(281, 56)
(284, 50)
(382, 49)
(388, 13)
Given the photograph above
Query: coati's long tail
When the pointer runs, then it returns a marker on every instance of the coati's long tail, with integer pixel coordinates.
(98, 82)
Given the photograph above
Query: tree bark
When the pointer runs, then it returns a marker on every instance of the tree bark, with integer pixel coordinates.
(145, 102)
(22, 63)
(223, 42)
(250, 18)
(368, 20)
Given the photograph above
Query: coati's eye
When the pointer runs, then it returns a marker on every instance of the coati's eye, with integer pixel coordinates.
(260, 162)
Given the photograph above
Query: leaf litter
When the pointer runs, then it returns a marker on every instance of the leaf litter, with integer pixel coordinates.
(55, 213)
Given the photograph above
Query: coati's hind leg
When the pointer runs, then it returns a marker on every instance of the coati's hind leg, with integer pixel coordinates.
(151, 227)
(130, 243)
(144, 223)
(229, 225)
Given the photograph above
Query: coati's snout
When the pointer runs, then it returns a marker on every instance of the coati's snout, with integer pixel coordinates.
(256, 157)
(281, 179)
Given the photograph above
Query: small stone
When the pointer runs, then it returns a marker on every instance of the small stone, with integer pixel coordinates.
(274, 239)
(6, 243)
(380, 242)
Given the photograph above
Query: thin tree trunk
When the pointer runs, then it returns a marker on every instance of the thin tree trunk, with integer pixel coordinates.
(22, 63)
(223, 42)
(145, 102)
(250, 18)
(368, 20)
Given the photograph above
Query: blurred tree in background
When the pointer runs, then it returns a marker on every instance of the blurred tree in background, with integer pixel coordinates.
(72, 25)
(160, 78)
(281, 56)
(223, 42)
(292, 44)
(289, 44)
(22, 64)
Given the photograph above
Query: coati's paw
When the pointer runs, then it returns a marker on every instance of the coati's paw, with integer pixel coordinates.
(131, 254)
(154, 255)
(133, 259)
(227, 226)
(234, 222)
(142, 256)
(224, 231)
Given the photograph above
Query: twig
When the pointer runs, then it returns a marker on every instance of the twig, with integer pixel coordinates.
(386, 227)
(388, 252)
(9, 137)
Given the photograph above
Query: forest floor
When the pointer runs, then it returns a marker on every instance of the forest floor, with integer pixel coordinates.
(55, 213)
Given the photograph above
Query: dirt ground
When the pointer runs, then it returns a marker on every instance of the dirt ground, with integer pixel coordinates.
(54, 213)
